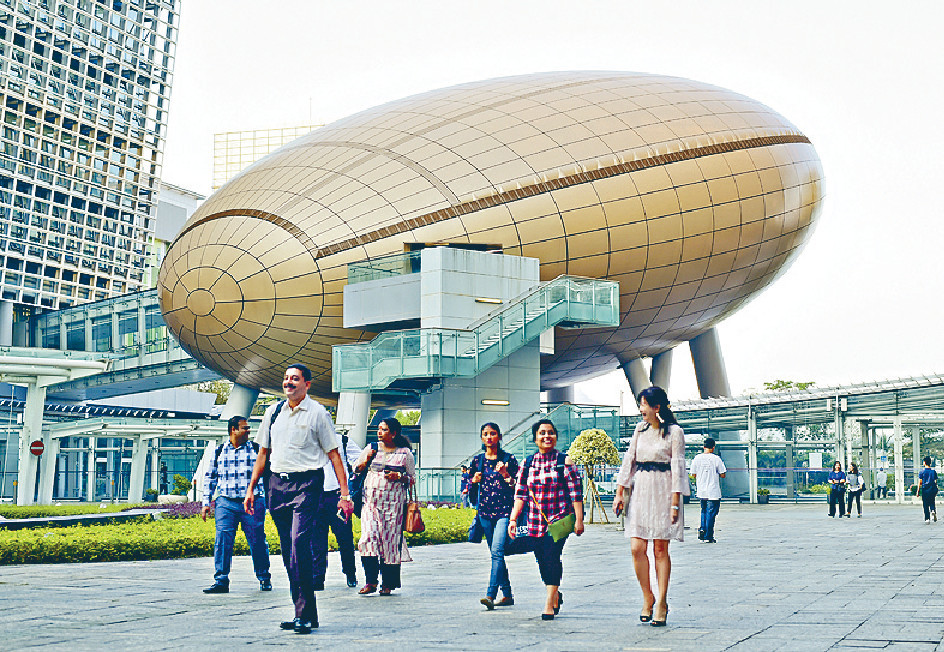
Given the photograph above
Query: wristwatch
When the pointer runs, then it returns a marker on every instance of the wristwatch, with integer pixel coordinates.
(345, 497)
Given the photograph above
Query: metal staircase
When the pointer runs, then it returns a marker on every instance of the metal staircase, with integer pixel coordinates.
(417, 357)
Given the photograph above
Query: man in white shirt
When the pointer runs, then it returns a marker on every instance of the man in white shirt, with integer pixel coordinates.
(298, 442)
(328, 516)
(708, 469)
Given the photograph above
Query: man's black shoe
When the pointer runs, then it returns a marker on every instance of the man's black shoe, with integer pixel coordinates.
(318, 585)
(352, 581)
(265, 585)
(287, 624)
(217, 588)
(304, 626)
(701, 534)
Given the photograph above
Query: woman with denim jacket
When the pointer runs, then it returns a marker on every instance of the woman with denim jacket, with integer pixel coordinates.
(492, 489)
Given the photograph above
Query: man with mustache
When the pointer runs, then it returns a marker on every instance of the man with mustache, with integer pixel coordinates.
(298, 441)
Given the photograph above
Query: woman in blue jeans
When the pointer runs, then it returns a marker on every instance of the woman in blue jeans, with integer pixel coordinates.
(492, 489)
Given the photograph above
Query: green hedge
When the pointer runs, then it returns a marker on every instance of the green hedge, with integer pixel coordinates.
(178, 538)
(43, 511)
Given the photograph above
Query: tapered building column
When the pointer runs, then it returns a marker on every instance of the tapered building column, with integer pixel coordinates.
(710, 373)
(661, 372)
(240, 402)
(636, 374)
(353, 415)
(561, 394)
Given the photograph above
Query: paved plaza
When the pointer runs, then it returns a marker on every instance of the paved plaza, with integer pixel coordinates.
(781, 577)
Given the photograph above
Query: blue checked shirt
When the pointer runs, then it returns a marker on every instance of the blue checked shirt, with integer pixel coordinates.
(230, 473)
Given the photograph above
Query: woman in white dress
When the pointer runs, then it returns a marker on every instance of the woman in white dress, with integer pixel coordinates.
(392, 470)
(653, 474)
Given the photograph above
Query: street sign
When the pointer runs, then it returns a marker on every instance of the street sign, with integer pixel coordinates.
(37, 447)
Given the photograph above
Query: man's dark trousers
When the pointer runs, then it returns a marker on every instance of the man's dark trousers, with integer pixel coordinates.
(709, 511)
(328, 517)
(294, 507)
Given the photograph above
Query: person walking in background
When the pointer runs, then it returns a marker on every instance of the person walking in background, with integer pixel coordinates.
(229, 473)
(927, 485)
(330, 516)
(550, 487)
(392, 470)
(881, 484)
(855, 484)
(837, 485)
(653, 473)
(708, 470)
(464, 486)
(298, 435)
(491, 489)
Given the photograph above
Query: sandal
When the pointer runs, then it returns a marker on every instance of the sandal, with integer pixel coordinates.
(368, 588)
(384, 590)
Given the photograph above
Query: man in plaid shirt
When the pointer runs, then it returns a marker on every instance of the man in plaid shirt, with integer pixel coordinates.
(230, 471)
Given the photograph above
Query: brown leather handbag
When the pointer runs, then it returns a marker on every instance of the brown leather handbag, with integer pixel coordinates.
(413, 519)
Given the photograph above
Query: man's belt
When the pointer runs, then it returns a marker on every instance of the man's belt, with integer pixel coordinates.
(296, 475)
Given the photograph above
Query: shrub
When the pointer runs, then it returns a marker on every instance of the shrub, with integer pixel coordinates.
(763, 492)
(150, 495)
(181, 485)
(44, 511)
(819, 488)
(177, 538)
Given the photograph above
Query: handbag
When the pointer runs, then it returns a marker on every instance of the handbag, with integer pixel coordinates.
(413, 519)
(520, 543)
(560, 528)
(355, 486)
(476, 531)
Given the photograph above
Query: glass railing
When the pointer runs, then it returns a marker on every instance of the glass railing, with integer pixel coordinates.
(383, 267)
(435, 352)
(570, 421)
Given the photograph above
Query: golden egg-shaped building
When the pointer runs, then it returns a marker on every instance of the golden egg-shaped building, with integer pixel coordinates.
(693, 197)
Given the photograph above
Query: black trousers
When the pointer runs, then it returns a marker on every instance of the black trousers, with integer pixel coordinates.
(373, 568)
(857, 496)
(293, 503)
(927, 501)
(836, 497)
(548, 553)
(328, 517)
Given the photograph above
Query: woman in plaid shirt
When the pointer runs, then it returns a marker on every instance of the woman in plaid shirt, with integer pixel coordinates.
(548, 483)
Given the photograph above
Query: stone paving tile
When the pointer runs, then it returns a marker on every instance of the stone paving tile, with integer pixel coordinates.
(782, 577)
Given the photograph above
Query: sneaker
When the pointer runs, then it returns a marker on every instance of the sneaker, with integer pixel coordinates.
(488, 602)
(927, 520)
(934, 516)
(701, 534)
(505, 602)
(859, 516)
(265, 585)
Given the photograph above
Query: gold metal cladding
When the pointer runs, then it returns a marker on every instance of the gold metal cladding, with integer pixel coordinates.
(693, 197)
(498, 198)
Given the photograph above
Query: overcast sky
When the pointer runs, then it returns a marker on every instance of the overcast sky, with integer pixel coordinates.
(863, 300)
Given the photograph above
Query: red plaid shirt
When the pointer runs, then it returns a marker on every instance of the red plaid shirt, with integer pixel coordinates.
(544, 482)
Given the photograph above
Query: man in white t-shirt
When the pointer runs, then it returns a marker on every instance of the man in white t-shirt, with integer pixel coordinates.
(708, 469)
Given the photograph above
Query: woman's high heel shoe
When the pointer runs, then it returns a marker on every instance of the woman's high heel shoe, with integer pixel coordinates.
(660, 623)
(560, 601)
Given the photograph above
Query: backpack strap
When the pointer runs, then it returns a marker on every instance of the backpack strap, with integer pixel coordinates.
(561, 463)
(350, 471)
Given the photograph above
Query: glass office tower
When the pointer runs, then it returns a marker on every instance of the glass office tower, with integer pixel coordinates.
(84, 92)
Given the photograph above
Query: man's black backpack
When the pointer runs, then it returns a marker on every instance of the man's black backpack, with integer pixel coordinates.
(355, 485)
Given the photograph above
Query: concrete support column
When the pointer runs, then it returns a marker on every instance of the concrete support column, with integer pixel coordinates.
(155, 468)
(661, 372)
(561, 394)
(788, 461)
(90, 471)
(710, 373)
(47, 471)
(899, 462)
(916, 451)
(6, 323)
(636, 374)
(240, 402)
(138, 461)
(752, 452)
(32, 430)
(837, 430)
(353, 415)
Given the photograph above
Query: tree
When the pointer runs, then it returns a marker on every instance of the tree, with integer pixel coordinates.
(221, 388)
(591, 448)
(787, 385)
(408, 418)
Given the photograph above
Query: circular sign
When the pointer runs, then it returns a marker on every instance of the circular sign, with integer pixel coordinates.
(37, 447)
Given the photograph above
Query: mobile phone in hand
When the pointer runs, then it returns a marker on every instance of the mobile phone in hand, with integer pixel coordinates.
(342, 515)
